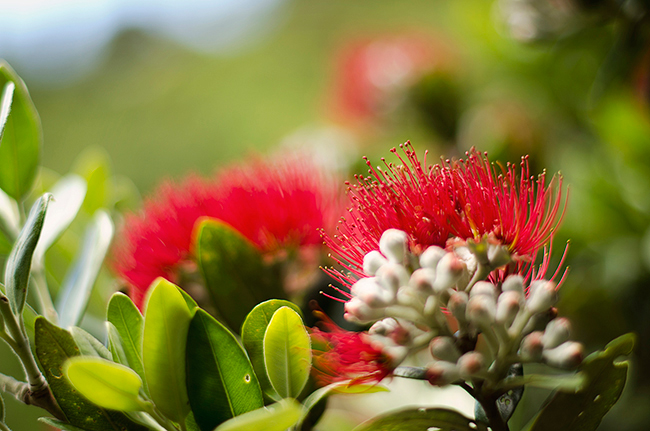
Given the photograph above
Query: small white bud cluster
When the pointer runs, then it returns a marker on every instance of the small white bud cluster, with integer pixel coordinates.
(451, 365)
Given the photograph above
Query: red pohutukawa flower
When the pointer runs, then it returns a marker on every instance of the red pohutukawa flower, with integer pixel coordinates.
(277, 205)
(341, 355)
(469, 198)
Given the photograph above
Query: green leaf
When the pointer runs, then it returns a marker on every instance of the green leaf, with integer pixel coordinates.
(220, 378)
(115, 345)
(287, 353)
(19, 263)
(89, 345)
(2, 409)
(67, 195)
(235, 274)
(276, 417)
(22, 137)
(129, 324)
(53, 347)
(60, 424)
(422, 420)
(105, 383)
(6, 99)
(9, 216)
(93, 164)
(80, 279)
(583, 410)
(166, 322)
(252, 335)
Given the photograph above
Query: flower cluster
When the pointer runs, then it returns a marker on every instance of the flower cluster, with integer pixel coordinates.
(277, 205)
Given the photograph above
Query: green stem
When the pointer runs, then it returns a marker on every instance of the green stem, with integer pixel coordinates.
(37, 279)
(4, 427)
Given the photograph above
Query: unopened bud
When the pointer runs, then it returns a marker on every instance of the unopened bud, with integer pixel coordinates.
(532, 347)
(481, 310)
(448, 271)
(513, 282)
(392, 276)
(444, 349)
(566, 356)
(508, 306)
(498, 255)
(371, 292)
(393, 244)
(372, 262)
(396, 354)
(431, 256)
(542, 296)
(557, 332)
(358, 311)
(442, 373)
(458, 305)
(470, 364)
(422, 279)
(483, 288)
(383, 327)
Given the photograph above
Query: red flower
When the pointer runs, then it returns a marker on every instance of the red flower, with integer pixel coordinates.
(277, 206)
(341, 355)
(466, 199)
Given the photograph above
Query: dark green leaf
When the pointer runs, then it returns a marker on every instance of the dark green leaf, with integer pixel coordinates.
(252, 336)
(6, 99)
(89, 345)
(60, 425)
(235, 274)
(583, 411)
(80, 279)
(53, 347)
(422, 420)
(19, 263)
(2, 409)
(22, 137)
(220, 378)
(128, 322)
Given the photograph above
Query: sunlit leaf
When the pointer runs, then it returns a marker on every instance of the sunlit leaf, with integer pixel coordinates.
(276, 417)
(129, 324)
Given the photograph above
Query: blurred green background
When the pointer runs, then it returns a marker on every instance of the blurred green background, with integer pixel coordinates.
(565, 82)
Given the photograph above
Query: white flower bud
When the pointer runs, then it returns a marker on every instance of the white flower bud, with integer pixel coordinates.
(566, 356)
(483, 288)
(422, 279)
(383, 327)
(444, 349)
(392, 276)
(513, 282)
(557, 332)
(393, 244)
(396, 354)
(470, 364)
(542, 296)
(508, 306)
(448, 271)
(481, 310)
(458, 305)
(442, 373)
(498, 255)
(358, 311)
(371, 293)
(391, 329)
(372, 262)
(532, 347)
(431, 256)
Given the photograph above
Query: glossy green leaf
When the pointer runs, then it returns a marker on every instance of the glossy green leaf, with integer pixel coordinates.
(54, 346)
(115, 345)
(129, 324)
(6, 99)
(235, 274)
(422, 420)
(220, 378)
(80, 279)
(89, 345)
(287, 353)
(105, 383)
(252, 335)
(276, 417)
(67, 195)
(22, 137)
(583, 410)
(19, 263)
(166, 322)
(60, 424)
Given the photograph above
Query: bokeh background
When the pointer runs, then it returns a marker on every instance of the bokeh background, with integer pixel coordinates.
(155, 89)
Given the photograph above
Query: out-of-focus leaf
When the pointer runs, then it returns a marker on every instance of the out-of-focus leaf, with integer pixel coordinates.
(67, 195)
(287, 353)
(53, 347)
(89, 345)
(422, 420)
(252, 335)
(129, 324)
(166, 322)
(234, 272)
(276, 417)
(105, 383)
(220, 378)
(22, 137)
(80, 279)
(19, 263)
(9, 215)
(583, 410)
(93, 164)
(6, 99)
